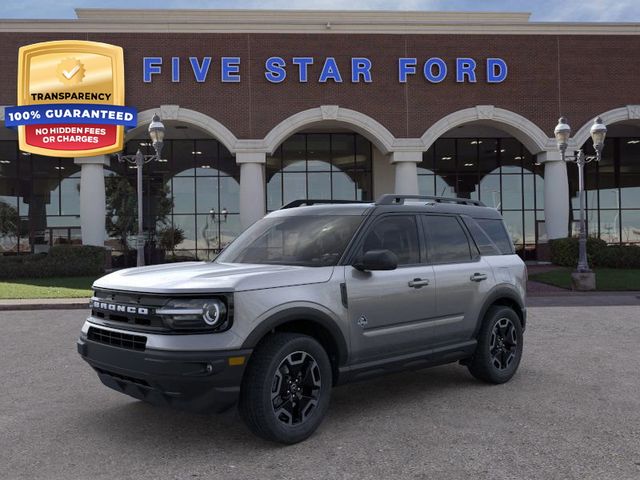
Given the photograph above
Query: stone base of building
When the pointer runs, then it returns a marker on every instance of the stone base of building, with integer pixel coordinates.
(583, 281)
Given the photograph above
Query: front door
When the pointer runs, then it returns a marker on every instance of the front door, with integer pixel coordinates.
(389, 311)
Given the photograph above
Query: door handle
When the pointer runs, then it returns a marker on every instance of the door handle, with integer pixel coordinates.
(478, 277)
(418, 282)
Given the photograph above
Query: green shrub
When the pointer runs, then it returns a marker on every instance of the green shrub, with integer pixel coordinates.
(564, 252)
(61, 261)
(618, 256)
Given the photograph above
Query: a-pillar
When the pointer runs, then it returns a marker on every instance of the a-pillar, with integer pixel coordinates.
(406, 165)
(556, 194)
(252, 187)
(92, 199)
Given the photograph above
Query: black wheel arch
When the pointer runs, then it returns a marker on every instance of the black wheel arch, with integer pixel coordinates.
(307, 321)
(507, 296)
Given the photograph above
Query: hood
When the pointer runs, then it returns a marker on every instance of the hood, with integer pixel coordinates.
(203, 277)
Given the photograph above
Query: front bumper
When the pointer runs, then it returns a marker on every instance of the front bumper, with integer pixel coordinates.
(195, 381)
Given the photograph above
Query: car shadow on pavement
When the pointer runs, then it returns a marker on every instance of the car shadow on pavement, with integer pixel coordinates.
(133, 422)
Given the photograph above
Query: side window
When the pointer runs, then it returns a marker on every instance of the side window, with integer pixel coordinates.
(496, 231)
(484, 243)
(398, 233)
(447, 241)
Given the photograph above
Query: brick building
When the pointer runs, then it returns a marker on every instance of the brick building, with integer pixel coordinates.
(263, 107)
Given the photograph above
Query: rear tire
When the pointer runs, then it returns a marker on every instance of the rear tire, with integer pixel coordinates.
(286, 388)
(499, 349)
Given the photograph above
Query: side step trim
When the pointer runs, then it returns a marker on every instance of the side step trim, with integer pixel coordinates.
(415, 360)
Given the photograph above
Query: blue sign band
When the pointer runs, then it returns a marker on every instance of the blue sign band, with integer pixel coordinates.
(70, 113)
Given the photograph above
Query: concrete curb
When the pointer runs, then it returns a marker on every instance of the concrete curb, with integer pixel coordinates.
(45, 304)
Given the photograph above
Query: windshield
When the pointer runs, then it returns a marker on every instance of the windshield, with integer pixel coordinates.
(310, 241)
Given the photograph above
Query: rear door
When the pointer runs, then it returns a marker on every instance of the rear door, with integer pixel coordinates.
(389, 311)
(462, 277)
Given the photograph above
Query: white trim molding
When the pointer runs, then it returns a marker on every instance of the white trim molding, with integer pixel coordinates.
(531, 136)
(192, 117)
(622, 114)
(374, 131)
(309, 21)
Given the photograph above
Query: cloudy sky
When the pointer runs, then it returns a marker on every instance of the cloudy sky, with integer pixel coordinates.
(542, 10)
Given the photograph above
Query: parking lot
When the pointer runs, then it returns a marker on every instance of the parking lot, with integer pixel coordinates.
(572, 411)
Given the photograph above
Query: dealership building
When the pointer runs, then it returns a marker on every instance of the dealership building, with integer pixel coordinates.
(265, 107)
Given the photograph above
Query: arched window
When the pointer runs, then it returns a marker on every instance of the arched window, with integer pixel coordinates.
(500, 172)
(333, 166)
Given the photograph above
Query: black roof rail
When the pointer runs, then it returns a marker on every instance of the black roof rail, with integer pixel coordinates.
(392, 199)
(308, 201)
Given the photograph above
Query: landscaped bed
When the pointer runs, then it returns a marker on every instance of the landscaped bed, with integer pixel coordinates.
(607, 279)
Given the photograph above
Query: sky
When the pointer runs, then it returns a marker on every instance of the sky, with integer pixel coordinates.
(542, 10)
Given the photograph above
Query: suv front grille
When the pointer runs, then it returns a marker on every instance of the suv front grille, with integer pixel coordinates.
(117, 339)
(137, 311)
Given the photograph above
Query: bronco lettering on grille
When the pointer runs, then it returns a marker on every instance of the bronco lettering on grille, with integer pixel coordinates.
(112, 307)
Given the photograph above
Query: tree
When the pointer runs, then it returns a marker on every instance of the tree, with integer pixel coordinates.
(9, 220)
(122, 208)
(169, 237)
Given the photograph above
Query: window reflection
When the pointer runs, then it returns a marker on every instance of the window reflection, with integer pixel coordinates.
(39, 200)
(612, 191)
(202, 180)
(319, 166)
(498, 171)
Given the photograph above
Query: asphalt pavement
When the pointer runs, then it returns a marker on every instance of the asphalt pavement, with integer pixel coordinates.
(571, 412)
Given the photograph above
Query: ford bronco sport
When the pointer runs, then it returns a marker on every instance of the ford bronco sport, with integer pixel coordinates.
(313, 295)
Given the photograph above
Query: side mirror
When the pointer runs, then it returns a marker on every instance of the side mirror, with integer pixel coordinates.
(377, 260)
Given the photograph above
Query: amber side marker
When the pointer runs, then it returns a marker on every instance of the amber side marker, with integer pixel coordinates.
(236, 361)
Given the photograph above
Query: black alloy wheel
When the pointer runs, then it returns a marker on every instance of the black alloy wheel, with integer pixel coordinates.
(295, 391)
(504, 343)
(286, 388)
(499, 348)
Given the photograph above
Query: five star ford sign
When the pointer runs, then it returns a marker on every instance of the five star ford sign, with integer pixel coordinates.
(70, 99)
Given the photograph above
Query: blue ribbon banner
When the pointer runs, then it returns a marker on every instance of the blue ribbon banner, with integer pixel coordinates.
(70, 113)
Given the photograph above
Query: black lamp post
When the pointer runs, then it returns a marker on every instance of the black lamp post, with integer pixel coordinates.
(598, 133)
(156, 133)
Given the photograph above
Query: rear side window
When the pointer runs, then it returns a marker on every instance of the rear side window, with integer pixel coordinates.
(484, 243)
(447, 242)
(496, 231)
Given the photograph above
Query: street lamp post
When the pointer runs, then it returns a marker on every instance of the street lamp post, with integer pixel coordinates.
(562, 133)
(156, 133)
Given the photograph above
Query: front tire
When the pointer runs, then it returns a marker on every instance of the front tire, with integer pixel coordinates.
(286, 388)
(499, 349)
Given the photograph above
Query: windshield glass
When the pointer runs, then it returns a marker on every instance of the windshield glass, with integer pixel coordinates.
(310, 241)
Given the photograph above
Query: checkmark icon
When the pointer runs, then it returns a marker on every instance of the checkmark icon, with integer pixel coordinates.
(71, 73)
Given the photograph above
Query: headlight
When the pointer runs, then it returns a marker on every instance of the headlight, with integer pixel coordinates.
(210, 314)
(214, 312)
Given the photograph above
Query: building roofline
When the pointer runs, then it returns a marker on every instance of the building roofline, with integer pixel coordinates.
(98, 20)
(285, 16)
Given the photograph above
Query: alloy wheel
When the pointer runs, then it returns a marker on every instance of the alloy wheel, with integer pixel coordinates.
(295, 390)
(504, 343)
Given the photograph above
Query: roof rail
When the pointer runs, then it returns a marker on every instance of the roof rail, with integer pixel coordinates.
(308, 201)
(392, 199)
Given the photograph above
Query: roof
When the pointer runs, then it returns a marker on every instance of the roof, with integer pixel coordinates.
(361, 208)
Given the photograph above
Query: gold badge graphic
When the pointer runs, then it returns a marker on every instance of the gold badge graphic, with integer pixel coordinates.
(70, 71)
(71, 99)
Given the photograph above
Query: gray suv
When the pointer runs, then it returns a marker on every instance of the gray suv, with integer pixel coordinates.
(313, 295)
